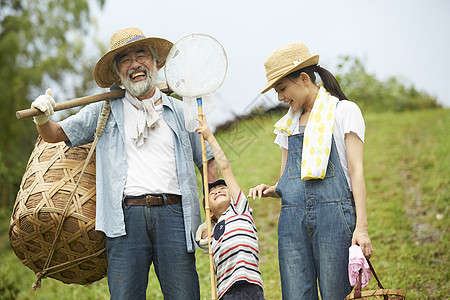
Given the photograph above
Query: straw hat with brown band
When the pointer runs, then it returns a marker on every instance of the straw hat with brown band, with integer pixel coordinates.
(285, 60)
(123, 39)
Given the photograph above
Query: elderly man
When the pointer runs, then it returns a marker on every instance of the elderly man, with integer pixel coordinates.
(147, 199)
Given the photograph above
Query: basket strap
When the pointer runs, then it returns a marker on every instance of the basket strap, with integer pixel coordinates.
(378, 280)
(106, 110)
(70, 264)
(98, 131)
(375, 274)
(358, 287)
(357, 292)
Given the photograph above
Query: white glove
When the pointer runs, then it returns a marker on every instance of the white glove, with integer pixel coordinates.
(203, 243)
(45, 103)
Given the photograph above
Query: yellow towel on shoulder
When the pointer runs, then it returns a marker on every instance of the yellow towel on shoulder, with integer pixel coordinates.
(288, 122)
(318, 134)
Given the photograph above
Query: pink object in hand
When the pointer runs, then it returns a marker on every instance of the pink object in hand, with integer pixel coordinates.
(356, 262)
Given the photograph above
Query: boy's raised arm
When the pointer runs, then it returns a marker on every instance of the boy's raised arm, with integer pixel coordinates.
(221, 159)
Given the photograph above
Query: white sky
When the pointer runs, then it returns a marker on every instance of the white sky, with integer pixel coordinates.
(408, 39)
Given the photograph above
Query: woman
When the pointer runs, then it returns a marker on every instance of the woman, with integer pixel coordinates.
(322, 184)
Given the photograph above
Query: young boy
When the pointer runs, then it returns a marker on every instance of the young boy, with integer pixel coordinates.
(234, 238)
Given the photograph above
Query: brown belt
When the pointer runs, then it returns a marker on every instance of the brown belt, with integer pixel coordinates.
(153, 200)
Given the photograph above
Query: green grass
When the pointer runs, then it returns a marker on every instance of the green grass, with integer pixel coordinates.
(407, 175)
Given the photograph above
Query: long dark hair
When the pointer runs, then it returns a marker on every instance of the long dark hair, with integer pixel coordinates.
(329, 81)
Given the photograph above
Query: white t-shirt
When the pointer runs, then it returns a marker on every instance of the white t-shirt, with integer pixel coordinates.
(348, 119)
(152, 167)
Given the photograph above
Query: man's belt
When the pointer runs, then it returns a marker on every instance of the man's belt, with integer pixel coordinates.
(153, 200)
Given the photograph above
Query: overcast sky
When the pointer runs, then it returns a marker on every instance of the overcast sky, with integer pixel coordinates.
(408, 39)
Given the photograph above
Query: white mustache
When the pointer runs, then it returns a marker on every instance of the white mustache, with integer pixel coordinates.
(138, 69)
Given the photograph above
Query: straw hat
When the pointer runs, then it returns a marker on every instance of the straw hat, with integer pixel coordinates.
(123, 39)
(285, 60)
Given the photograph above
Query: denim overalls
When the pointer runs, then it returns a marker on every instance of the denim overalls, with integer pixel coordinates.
(315, 228)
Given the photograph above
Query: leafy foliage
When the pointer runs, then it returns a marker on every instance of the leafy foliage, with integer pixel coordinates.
(40, 43)
(374, 95)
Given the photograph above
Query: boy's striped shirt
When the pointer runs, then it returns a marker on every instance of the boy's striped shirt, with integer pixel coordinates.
(234, 243)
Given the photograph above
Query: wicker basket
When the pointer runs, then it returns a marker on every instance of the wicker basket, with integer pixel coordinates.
(381, 294)
(78, 253)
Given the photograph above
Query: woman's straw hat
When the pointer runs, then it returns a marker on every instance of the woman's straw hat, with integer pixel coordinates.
(104, 73)
(285, 60)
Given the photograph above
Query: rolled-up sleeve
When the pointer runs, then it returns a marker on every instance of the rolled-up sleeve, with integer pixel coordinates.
(80, 128)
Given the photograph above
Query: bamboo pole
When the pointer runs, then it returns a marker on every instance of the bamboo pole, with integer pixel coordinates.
(207, 208)
(31, 112)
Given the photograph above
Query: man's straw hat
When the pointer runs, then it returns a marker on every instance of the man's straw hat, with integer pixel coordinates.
(285, 60)
(104, 73)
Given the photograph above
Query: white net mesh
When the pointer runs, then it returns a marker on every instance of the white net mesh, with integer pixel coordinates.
(196, 66)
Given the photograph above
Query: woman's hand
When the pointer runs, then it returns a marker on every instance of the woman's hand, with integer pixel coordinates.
(361, 237)
(263, 190)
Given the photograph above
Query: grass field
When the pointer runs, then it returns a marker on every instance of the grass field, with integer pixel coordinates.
(407, 175)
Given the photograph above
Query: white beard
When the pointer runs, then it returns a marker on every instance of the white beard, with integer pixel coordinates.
(140, 88)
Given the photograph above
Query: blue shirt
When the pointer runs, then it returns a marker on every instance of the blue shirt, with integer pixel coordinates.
(111, 163)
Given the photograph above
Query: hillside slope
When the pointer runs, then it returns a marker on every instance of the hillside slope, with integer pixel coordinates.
(407, 177)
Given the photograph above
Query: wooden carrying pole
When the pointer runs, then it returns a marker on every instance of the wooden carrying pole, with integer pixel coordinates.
(31, 112)
(207, 208)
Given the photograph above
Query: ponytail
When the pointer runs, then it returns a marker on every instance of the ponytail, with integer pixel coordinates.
(329, 81)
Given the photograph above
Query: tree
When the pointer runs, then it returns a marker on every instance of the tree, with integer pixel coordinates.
(40, 43)
(374, 95)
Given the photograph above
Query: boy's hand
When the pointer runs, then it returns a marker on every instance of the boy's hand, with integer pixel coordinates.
(203, 127)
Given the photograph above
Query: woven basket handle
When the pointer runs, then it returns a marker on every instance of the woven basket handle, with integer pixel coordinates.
(375, 274)
(358, 285)
(359, 281)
